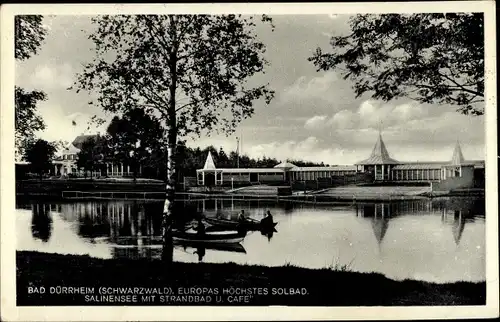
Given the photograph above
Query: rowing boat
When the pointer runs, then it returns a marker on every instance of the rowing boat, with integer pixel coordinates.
(248, 224)
(233, 247)
(213, 237)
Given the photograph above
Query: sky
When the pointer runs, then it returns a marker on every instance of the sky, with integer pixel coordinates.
(314, 116)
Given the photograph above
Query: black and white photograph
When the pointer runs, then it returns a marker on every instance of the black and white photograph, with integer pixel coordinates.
(245, 157)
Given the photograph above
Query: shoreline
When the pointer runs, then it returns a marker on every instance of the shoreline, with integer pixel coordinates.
(89, 190)
(285, 285)
(308, 198)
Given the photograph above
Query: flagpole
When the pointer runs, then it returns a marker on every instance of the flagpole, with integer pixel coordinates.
(237, 152)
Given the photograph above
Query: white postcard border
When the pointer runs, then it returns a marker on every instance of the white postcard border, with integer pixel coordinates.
(88, 313)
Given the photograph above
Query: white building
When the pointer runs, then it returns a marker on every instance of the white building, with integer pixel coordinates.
(67, 163)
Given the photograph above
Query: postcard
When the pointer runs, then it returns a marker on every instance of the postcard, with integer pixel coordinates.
(249, 161)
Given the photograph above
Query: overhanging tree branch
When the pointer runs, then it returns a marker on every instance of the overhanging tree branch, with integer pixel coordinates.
(389, 53)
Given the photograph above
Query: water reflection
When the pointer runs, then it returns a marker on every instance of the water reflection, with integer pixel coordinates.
(115, 219)
(434, 240)
(380, 214)
(41, 222)
(201, 253)
(269, 234)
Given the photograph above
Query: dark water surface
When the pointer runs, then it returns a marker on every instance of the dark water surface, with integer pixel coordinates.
(439, 241)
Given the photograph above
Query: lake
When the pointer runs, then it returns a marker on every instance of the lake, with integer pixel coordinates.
(438, 240)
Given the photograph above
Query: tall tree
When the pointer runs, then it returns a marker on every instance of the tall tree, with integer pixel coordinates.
(27, 120)
(29, 35)
(430, 58)
(92, 154)
(40, 154)
(192, 70)
(134, 137)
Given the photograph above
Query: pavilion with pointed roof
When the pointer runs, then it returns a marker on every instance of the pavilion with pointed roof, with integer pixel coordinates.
(447, 175)
(379, 163)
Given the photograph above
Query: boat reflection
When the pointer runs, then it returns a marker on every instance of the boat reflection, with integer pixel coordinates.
(200, 250)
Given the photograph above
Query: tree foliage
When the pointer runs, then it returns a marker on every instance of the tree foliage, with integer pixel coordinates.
(27, 120)
(430, 58)
(40, 154)
(192, 71)
(134, 137)
(29, 35)
(189, 69)
(92, 154)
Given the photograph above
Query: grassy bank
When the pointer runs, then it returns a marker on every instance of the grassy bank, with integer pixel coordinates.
(324, 287)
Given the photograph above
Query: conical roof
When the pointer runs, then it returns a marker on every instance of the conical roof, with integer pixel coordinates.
(458, 157)
(285, 165)
(209, 162)
(458, 229)
(379, 154)
(379, 226)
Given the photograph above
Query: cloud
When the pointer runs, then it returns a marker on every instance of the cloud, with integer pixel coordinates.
(309, 149)
(375, 114)
(315, 122)
(409, 129)
(59, 124)
(344, 119)
(305, 88)
(52, 76)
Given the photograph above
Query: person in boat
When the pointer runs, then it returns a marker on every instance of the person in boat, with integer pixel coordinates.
(241, 217)
(267, 221)
(241, 222)
(200, 227)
